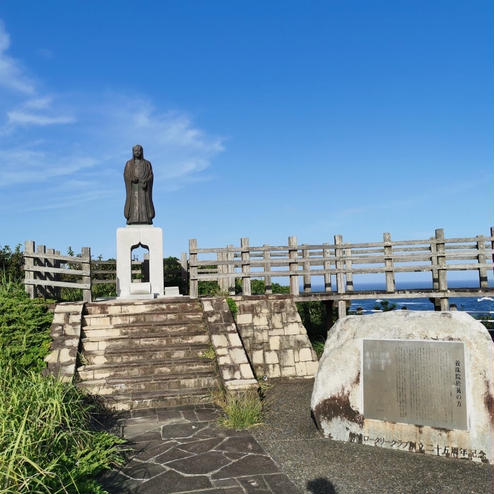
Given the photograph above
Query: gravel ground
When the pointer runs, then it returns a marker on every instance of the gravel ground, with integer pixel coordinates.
(322, 466)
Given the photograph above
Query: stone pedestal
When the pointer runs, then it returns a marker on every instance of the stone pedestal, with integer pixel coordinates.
(151, 238)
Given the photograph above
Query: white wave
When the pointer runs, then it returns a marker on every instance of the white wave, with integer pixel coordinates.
(485, 299)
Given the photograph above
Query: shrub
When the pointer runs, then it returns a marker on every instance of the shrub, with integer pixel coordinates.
(24, 328)
(46, 445)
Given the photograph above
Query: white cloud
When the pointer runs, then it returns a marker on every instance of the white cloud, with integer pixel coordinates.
(38, 103)
(40, 148)
(12, 75)
(25, 118)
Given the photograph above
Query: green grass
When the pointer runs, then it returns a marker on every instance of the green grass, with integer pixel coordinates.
(242, 410)
(46, 442)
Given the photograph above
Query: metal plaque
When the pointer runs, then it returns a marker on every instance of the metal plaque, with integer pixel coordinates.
(415, 382)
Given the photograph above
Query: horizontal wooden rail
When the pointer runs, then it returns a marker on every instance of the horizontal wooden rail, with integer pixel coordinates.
(61, 284)
(46, 271)
(338, 261)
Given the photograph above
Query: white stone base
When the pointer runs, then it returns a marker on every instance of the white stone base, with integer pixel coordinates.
(150, 237)
(172, 291)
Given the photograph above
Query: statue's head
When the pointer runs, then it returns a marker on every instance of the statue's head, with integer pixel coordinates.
(137, 151)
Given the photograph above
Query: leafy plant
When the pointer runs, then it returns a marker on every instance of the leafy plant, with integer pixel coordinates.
(232, 306)
(209, 288)
(242, 410)
(209, 353)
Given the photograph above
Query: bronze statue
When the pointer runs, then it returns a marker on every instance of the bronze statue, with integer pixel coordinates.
(138, 176)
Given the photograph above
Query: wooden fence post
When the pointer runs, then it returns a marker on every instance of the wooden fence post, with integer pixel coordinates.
(293, 265)
(183, 269)
(50, 263)
(492, 243)
(29, 247)
(40, 261)
(340, 276)
(435, 273)
(388, 263)
(483, 281)
(267, 267)
(307, 277)
(231, 269)
(349, 274)
(57, 264)
(245, 253)
(193, 281)
(442, 273)
(86, 276)
(221, 270)
(327, 268)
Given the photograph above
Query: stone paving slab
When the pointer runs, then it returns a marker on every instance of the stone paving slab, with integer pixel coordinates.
(186, 451)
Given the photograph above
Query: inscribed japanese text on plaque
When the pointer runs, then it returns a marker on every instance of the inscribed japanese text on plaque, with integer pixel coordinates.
(415, 382)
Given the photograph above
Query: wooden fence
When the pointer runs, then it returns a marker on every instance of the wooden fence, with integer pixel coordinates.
(46, 271)
(337, 263)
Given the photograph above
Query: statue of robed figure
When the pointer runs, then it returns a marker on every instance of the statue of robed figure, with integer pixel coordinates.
(138, 177)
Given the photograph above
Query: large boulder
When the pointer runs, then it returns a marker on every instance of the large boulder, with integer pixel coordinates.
(411, 380)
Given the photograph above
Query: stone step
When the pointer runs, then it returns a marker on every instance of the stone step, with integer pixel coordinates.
(163, 317)
(112, 386)
(182, 304)
(151, 339)
(159, 399)
(143, 329)
(144, 354)
(135, 369)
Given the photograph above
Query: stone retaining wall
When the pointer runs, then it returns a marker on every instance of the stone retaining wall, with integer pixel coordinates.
(275, 338)
(65, 333)
(233, 364)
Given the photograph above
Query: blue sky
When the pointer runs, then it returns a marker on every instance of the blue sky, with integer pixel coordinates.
(261, 119)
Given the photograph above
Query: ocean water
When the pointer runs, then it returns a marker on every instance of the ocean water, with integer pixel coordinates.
(473, 305)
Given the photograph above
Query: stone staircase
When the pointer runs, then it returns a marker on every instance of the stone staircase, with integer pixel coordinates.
(146, 354)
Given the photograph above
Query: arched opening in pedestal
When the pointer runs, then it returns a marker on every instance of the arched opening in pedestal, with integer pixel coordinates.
(139, 268)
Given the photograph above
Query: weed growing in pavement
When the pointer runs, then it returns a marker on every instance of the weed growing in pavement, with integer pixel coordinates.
(242, 409)
(209, 353)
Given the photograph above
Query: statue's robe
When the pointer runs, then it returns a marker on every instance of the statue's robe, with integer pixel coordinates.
(139, 208)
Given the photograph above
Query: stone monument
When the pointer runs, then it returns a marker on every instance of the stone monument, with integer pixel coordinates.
(139, 232)
(416, 381)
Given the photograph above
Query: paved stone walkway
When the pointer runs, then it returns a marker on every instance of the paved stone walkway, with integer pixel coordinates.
(186, 451)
